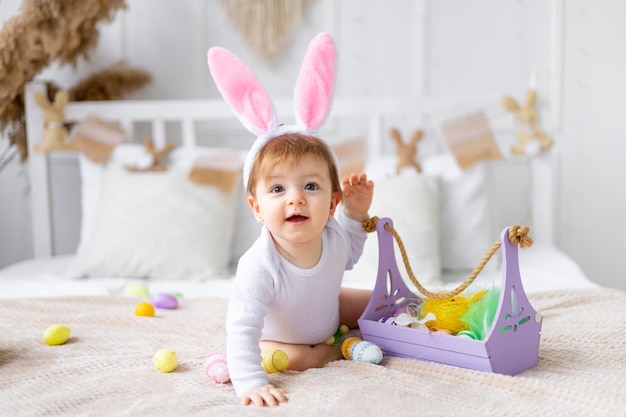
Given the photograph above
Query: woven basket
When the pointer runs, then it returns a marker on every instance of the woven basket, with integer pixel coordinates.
(510, 346)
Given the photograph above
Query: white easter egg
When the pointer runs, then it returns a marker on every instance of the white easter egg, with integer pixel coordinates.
(364, 351)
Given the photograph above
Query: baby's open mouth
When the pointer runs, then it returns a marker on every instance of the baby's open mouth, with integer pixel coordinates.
(296, 218)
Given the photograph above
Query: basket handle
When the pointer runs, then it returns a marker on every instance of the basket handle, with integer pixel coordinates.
(387, 266)
(390, 292)
(513, 235)
(514, 308)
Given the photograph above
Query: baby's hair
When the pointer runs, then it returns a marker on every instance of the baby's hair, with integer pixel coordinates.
(290, 148)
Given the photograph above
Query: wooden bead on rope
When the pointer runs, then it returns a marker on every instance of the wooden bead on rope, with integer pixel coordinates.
(518, 235)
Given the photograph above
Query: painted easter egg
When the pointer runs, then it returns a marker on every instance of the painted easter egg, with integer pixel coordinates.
(165, 360)
(164, 300)
(144, 308)
(347, 345)
(274, 360)
(57, 334)
(136, 290)
(364, 351)
(216, 368)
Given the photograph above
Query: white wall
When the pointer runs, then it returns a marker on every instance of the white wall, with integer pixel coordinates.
(593, 196)
(493, 47)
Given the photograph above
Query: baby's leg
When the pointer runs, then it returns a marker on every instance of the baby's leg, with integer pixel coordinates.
(352, 303)
(303, 357)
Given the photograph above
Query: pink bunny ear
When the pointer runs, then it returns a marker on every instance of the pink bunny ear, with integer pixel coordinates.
(242, 91)
(315, 86)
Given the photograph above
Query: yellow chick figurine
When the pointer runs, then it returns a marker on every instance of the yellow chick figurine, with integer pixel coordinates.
(448, 312)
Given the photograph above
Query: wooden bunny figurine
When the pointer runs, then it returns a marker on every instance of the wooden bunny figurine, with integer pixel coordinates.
(407, 152)
(55, 133)
(531, 138)
(154, 159)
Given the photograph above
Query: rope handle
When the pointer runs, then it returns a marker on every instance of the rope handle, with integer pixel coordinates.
(518, 235)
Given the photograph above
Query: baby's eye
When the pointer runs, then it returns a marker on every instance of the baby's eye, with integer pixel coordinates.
(311, 186)
(277, 189)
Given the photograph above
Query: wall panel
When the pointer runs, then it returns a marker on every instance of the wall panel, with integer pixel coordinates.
(569, 51)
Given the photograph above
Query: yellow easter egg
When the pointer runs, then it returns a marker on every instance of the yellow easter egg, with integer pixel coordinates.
(330, 341)
(347, 345)
(274, 360)
(56, 334)
(165, 360)
(144, 308)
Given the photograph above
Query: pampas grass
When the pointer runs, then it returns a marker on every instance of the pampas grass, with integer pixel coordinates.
(45, 31)
(112, 83)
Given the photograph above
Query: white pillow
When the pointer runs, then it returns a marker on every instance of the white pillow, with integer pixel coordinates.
(246, 229)
(91, 180)
(466, 230)
(510, 188)
(411, 201)
(157, 225)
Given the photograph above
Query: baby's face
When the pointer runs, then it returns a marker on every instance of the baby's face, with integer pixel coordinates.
(296, 200)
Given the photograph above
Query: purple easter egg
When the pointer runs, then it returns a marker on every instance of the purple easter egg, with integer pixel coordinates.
(164, 300)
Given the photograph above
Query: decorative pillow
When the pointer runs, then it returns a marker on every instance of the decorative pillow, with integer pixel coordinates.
(157, 225)
(466, 230)
(91, 180)
(174, 182)
(412, 202)
(510, 185)
(246, 229)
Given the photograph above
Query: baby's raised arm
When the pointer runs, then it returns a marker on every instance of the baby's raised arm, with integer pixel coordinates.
(357, 196)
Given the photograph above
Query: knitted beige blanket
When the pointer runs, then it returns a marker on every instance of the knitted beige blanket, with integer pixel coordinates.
(105, 368)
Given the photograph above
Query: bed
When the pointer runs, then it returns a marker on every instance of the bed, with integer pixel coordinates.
(447, 218)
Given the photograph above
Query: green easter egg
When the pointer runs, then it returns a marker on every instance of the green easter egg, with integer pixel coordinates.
(136, 290)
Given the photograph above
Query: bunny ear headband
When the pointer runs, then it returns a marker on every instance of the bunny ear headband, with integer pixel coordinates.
(255, 110)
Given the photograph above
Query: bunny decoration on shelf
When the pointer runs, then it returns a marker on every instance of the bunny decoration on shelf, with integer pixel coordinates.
(532, 140)
(407, 152)
(154, 159)
(55, 133)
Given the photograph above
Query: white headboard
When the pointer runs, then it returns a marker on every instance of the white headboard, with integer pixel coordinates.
(375, 115)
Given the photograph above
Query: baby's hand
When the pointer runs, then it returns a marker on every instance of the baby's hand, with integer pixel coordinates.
(265, 395)
(357, 196)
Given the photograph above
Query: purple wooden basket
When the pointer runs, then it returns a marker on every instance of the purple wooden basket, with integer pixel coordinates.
(511, 345)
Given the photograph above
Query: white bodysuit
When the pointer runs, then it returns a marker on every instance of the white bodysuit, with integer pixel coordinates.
(272, 299)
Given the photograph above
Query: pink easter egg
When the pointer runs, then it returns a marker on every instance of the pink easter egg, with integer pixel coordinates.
(216, 368)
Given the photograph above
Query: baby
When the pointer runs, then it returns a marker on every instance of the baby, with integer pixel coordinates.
(287, 290)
